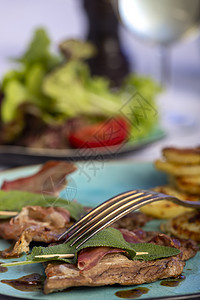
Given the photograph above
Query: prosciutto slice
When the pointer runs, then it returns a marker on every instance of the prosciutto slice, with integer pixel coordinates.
(34, 223)
(89, 257)
(50, 179)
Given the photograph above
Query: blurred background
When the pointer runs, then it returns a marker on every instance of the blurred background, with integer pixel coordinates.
(68, 19)
(63, 19)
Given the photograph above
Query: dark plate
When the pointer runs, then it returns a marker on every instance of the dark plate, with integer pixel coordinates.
(20, 156)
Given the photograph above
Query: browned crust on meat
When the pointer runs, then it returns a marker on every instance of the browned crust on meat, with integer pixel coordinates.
(132, 221)
(113, 269)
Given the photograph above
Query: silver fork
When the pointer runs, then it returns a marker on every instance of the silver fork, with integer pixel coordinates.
(112, 210)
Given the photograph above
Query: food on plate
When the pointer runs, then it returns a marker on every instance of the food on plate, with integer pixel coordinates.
(112, 256)
(123, 254)
(182, 165)
(177, 169)
(42, 215)
(189, 184)
(117, 267)
(182, 155)
(186, 226)
(132, 221)
(166, 209)
(48, 97)
(34, 223)
(112, 132)
(49, 179)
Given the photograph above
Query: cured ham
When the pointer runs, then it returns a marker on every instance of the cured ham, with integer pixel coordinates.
(50, 179)
(34, 223)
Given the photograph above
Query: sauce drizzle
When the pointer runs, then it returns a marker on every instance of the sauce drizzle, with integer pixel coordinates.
(3, 269)
(133, 293)
(28, 283)
(173, 282)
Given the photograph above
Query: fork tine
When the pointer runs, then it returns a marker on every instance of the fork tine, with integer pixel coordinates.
(114, 206)
(87, 219)
(130, 204)
(113, 209)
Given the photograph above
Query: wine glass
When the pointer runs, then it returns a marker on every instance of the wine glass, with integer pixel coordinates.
(160, 22)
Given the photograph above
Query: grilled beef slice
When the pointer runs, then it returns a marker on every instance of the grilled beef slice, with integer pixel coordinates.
(117, 268)
(112, 269)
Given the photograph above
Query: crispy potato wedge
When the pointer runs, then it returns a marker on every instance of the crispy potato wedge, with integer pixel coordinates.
(189, 184)
(182, 156)
(165, 209)
(186, 226)
(177, 169)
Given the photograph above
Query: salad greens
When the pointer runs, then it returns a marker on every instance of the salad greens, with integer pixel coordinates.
(16, 200)
(109, 237)
(60, 87)
(24, 84)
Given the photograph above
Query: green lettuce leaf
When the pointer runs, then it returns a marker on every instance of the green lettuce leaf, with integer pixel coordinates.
(141, 107)
(24, 84)
(76, 93)
(16, 200)
(38, 51)
(69, 90)
(15, 93)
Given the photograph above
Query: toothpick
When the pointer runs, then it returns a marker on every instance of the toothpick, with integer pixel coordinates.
(71, 255)
(8, 213)
(141, 253)
(55, 255)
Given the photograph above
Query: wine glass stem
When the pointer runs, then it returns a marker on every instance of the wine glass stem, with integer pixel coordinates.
(165, 62)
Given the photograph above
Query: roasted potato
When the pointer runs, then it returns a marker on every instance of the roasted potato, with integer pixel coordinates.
(182, 156)
(165, 209)
(177, 169)
(186, 226)
(189, 184)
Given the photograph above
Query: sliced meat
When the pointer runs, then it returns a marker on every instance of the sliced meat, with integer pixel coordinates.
(188, 248)
(30, 234)
(89, 258)
(112, 269)
(34, 223)
(132, 236)
(132, 221)
(98, 266)
(49, 217)
(50, 179)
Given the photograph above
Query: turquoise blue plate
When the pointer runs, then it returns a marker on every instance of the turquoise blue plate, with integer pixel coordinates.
(93, 183)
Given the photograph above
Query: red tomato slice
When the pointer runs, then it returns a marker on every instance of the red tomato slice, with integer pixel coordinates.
(109, 133)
